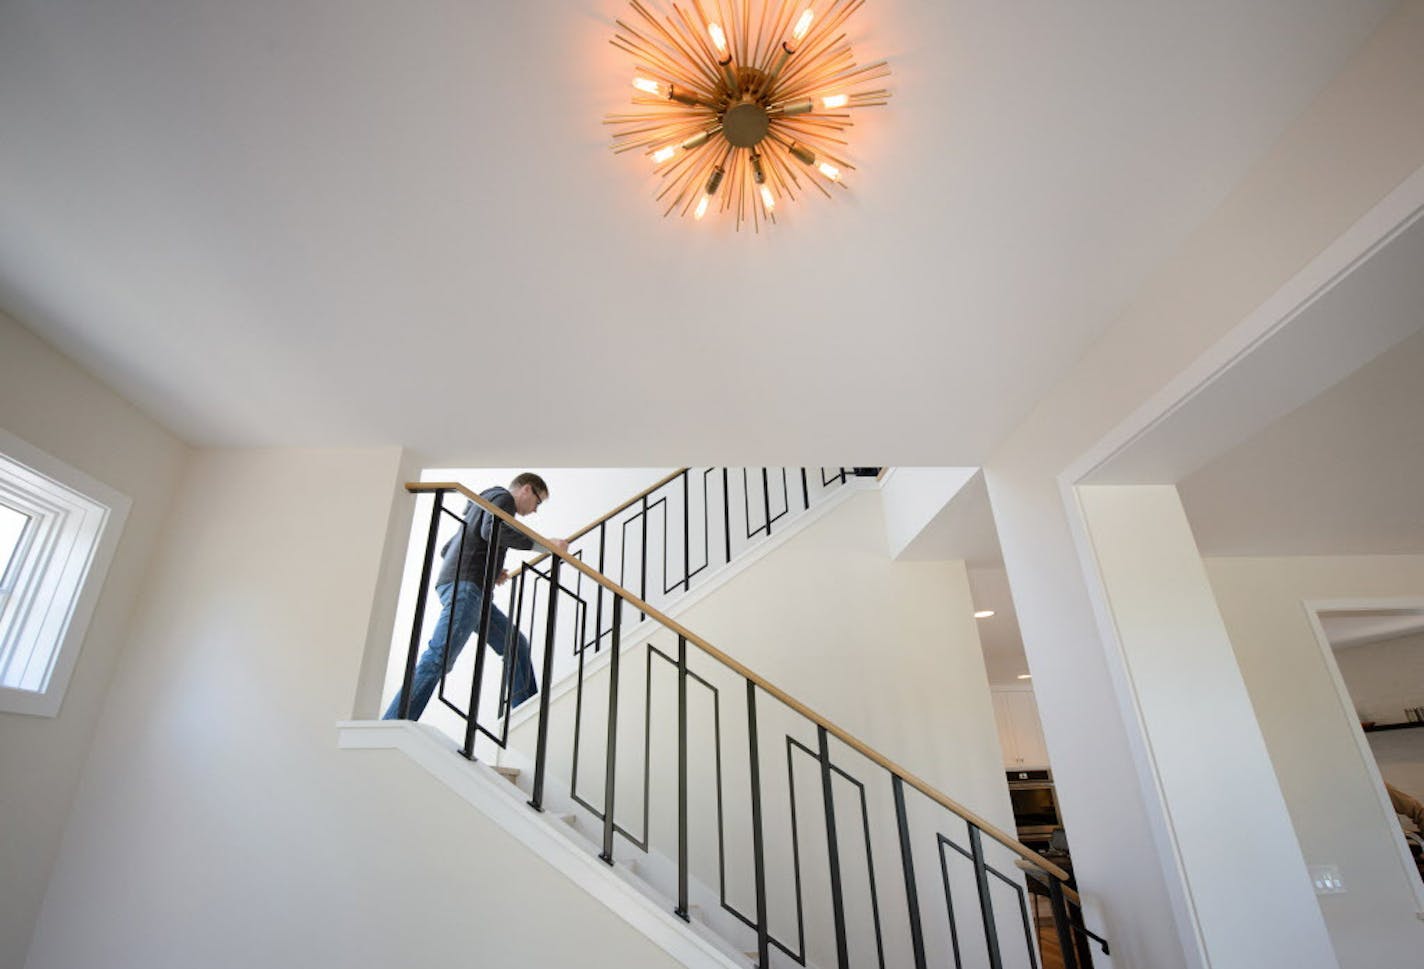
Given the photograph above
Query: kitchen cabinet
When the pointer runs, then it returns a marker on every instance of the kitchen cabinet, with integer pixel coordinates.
(1020, 732)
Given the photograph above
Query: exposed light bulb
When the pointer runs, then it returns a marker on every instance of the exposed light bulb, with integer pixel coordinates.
(803, 24)
(983, 613)
(648, 86)
(702, 207)
(767, 198)
(663, 154)
(830, 171)
(719, 39)
(836, 100)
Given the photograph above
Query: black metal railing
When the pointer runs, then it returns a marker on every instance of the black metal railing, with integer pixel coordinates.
(669, 538)
(736, 839)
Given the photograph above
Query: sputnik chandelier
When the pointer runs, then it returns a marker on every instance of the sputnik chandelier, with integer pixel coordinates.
(740, 107)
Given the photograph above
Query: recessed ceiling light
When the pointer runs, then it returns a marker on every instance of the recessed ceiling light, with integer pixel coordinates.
(983, 613)
(1025, 676)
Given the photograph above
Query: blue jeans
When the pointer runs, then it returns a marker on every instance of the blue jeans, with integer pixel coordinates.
(459, 627)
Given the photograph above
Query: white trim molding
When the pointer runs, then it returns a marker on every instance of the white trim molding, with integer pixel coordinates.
(68, 543)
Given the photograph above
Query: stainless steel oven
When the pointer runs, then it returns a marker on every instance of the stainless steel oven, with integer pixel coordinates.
(1035, 806)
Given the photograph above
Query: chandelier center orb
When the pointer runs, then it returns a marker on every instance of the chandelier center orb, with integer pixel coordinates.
(745, 124)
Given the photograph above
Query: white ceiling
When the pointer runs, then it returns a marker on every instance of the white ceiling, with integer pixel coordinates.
(1361, 627)
(1343, 474)
(348, 222)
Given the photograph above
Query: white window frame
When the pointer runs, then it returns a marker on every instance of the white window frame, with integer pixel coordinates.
(63, 557)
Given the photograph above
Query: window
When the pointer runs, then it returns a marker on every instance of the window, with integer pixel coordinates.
(58, 530)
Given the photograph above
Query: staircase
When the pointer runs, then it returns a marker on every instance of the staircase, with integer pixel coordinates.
(743, 827)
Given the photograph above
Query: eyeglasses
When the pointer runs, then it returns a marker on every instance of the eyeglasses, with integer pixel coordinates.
(539, 499)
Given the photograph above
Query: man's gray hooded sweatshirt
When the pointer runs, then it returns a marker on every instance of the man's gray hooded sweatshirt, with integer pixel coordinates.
(469, 556)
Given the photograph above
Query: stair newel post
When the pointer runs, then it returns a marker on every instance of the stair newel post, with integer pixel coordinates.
(758, 836)
(986, 902)
(907, 861)
(541, 746)
(833, 850)
(682, 873)
(486, 613)
(610, 765)
(1062, 924)
(419, 621)
(686, 527)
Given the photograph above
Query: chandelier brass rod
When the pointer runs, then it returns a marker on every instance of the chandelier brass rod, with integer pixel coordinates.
(671, 53)
(673, 75)
(780, 26)
(853, 73)
(664, 71)
(758, 51)
(697, 40)
(795, 72)
(694, 63)
(836, 15)
(683, 161)
(667, 117)
(829, 71)
(785, 175)
(698, 31)
(662, 125)
(782, 172)
(814, 139)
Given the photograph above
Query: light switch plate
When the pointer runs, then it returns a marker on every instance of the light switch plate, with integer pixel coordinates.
(1327, 880)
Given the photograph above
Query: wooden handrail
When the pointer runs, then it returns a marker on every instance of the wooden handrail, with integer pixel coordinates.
(944, 800)
(602, 518)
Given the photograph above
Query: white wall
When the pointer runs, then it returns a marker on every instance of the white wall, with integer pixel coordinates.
(218, 825)
(1310, 734)
(888, 651)
(1225, 807)
(1357, 141)
(913, 497)
(52, 404)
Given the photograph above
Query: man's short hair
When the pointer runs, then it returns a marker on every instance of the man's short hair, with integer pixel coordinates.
(532, 479)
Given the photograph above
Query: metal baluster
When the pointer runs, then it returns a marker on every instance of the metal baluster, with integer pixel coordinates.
(682, 873)
(419, 623)
(907, 860)
(486, 611)
(1081, 935)
(445, 657)
(758, 839)
(611, 763)
(805, 490)
(686, 540)
(766, 499)
(833, 849)
(541, 746)
(643, 567)
(727, 514)
(1061, 923)
(986, 903)
(598, 610)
